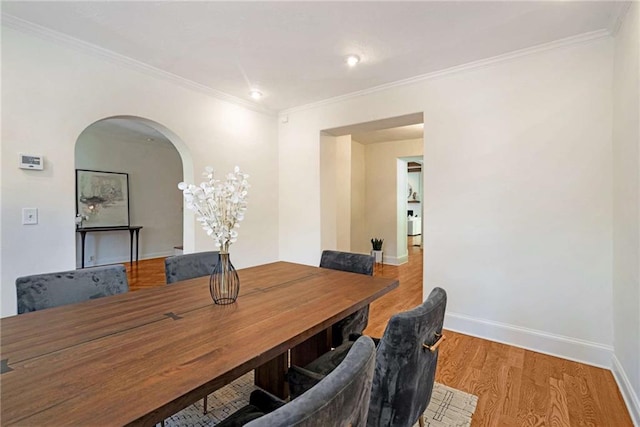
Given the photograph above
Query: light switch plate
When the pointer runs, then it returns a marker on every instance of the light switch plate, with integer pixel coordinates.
(29, 216)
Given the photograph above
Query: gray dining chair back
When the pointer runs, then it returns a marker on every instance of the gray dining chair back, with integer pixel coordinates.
(406, 359)
(40, 291)
(406, 362)
(341, 398)
(185, 267)
(353, 263)
(347, 261)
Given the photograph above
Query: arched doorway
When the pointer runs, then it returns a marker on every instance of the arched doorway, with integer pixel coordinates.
(153, 160)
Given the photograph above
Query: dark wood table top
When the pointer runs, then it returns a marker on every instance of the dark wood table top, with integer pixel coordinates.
(142, 356)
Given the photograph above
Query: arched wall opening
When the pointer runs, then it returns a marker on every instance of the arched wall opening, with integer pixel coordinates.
(154, 160)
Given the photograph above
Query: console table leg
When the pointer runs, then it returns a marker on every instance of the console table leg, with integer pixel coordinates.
(131, 246)
(137, 244)
(83, 235)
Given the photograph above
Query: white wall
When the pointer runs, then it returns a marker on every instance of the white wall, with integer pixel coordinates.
(342, 193)
(383, 190)
(328, 200)
(155, 202)
(517, 184)
(360, 240)
(51, 93)
(626, 209)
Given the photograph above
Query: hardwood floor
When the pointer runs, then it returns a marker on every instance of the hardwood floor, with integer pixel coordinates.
(516, 387)
(147, 273)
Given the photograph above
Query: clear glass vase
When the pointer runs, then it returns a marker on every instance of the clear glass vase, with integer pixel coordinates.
(224, 283)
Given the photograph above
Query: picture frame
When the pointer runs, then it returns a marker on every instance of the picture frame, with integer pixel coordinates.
(102, 199)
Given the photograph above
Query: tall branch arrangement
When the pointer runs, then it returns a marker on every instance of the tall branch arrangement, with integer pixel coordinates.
(219, 205)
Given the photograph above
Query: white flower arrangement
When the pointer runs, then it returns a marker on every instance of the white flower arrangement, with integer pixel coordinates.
(219, 205)
(80, 218)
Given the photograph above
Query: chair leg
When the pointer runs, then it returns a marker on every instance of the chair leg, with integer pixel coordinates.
(204, 401)
(421, 421)
(162, 423)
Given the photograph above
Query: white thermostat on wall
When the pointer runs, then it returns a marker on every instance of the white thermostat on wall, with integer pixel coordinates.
(31, 161)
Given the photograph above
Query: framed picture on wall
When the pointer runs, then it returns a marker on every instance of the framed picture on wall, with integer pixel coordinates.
(102, 198)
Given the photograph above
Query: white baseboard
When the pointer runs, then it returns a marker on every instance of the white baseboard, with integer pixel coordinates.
(628, 394)
(162, 254)
(391, 260)
(119, 260)
(574, 349)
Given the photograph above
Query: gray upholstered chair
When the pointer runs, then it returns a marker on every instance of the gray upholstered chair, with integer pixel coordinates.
(185, 267)
(41, 291)
(406, 360)
(340, 398)
(353, 263)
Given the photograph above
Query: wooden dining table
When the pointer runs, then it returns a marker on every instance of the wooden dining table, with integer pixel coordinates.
(137, 358)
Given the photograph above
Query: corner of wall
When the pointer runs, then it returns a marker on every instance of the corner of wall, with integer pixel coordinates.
(628, 394)
(396, 260)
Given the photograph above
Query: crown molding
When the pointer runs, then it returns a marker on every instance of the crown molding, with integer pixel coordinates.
(16, 23)
(569, 41)
(618, 14)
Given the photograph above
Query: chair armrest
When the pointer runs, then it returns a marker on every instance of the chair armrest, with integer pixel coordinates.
(241, 417)
(301, 380)
(434, 347)
(266, 402)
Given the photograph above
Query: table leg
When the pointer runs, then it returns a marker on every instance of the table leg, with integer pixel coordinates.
(131, 246)
(271, 376)
(83, 236)
(137, 244)
(312, 348)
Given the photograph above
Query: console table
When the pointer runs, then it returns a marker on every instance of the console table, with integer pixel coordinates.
(133, 228)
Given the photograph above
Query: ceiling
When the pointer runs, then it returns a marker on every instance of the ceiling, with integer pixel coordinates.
(390, 134)
(409, 126)
(294, 52)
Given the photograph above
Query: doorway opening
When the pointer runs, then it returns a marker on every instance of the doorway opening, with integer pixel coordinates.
(150, 160)
(364, 185)
(412, 167)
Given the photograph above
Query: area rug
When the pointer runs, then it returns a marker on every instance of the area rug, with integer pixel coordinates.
(448, 407)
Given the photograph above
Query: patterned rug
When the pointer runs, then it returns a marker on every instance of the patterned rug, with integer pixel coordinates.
(448, 407)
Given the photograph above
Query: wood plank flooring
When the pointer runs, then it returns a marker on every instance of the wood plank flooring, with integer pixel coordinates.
(516, 387)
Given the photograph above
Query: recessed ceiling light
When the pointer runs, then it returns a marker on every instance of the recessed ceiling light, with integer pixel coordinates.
(255, 94)
(352, 60)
